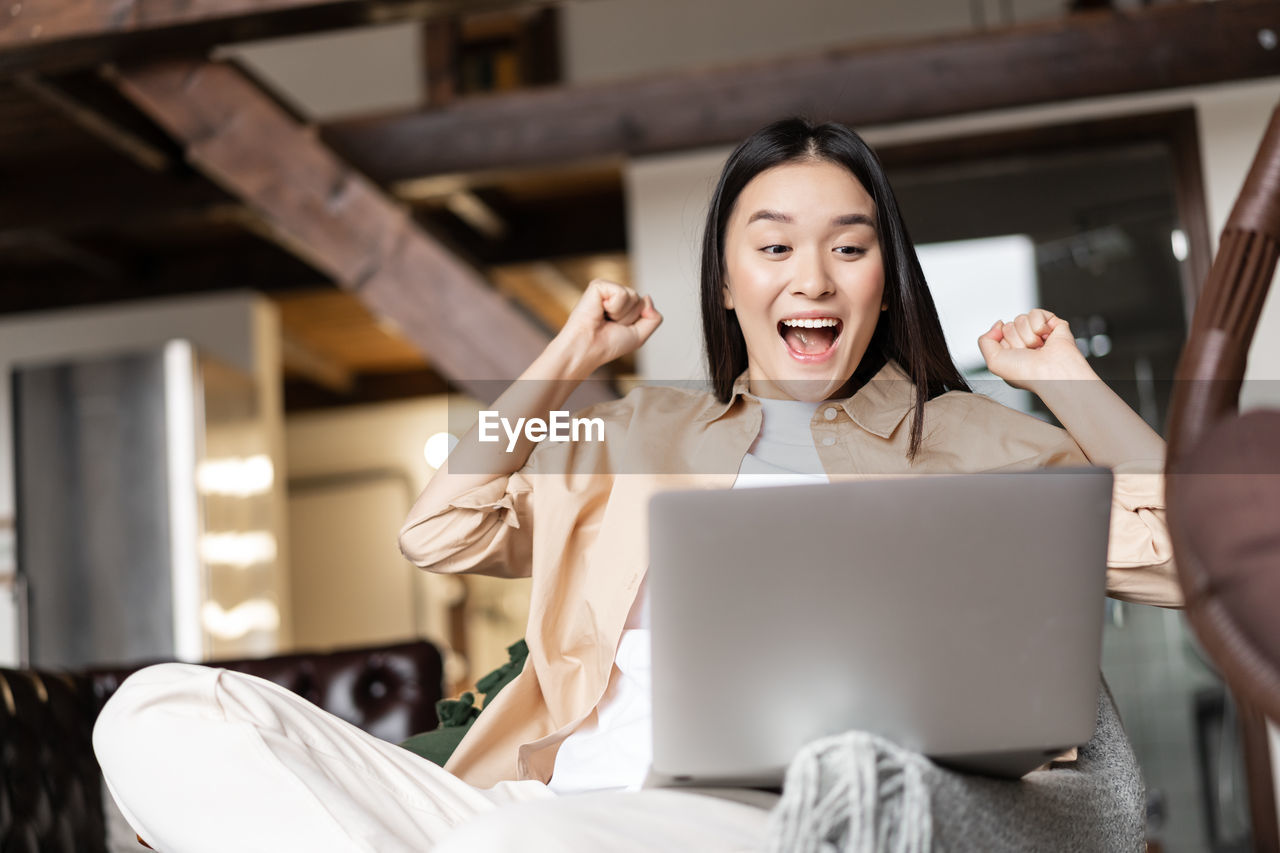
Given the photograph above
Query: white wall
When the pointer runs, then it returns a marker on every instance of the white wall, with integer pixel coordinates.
(239, 328)
(354, 441)
(347, 549)
(667, 201)
(341, 73)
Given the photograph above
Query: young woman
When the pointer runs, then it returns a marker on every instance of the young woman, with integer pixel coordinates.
(827, 361)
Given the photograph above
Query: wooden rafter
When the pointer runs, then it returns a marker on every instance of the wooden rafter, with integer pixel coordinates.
(553, 227)
(304, 361)
(542, 287)
(126, 140)
(1080, 56)
(57, 281)
(334, 325)
(65, 252)
(73, 198)
(440, 44)
(337, 220)
(61, 34)
(304, 394)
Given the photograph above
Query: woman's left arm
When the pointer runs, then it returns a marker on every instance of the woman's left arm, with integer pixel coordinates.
(1037, 352)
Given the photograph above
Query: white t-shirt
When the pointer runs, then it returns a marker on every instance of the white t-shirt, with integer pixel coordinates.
(613, 748)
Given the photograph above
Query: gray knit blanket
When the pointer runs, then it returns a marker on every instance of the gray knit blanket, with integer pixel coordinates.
(860, 793)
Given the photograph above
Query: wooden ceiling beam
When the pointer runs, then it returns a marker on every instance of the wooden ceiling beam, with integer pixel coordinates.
(574, 224)
(58, 196)
(304, 395)
(542, 288)
(57, 35)
(94, 119)
(304, 361)
(1083, 55)
(65, 253)
(337, 220)
(55, 281)
(241, 263)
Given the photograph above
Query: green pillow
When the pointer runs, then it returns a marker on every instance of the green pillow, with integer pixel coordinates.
(457, 715)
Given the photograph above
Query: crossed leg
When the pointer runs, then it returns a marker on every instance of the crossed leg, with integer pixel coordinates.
(202, 759)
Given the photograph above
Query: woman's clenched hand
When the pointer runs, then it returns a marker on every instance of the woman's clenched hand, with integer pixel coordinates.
(608, 322)
(1033, 348)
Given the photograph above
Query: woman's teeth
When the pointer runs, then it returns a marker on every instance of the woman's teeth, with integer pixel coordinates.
(817, 323)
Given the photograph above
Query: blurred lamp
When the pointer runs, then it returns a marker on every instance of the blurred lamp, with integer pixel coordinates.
(438, 448)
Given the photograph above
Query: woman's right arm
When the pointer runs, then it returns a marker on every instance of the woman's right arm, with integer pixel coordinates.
(609, 321)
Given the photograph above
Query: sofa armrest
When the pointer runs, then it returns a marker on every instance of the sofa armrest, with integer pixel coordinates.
(50, 782)
(50, 794)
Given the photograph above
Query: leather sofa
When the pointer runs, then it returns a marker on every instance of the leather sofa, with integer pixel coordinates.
(50, 782)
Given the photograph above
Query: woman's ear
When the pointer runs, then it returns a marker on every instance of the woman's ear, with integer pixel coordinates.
(728, 298)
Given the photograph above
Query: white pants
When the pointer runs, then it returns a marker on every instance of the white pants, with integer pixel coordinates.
(203, 759)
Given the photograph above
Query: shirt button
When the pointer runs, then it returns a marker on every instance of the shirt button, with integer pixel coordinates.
(830, 413)
(828, 440)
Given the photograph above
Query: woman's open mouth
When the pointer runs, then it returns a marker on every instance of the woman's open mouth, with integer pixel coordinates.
(810, 339)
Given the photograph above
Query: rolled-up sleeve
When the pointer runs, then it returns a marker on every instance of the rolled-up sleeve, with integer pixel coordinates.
(486, 530)
(1140, 565)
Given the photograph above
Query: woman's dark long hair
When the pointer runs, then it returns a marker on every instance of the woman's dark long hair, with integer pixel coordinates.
(908, 332)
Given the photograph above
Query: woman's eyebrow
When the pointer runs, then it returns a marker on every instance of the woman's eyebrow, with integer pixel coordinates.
(855, 219)
(771, 215)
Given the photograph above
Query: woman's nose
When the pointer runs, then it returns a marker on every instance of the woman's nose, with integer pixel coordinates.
(811, 279)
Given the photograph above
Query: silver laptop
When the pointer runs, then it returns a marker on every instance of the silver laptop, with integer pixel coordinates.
(957, 615)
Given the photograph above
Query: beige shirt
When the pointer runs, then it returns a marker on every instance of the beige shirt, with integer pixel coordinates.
(574, 517)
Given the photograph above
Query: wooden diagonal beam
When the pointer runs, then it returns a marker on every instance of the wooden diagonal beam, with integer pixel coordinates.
(1080, 56)
(50, 35)
(337, 220)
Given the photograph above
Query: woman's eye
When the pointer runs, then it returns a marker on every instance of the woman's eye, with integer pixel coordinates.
(775, 249)
(850, 250)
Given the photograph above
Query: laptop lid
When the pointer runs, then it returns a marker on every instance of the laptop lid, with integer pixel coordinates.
(957, 615)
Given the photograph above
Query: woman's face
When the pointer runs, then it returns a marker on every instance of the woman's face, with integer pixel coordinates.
(805, 277)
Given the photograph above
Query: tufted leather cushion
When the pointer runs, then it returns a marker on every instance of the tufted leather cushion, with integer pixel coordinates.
(50, 797)
(50, 790)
